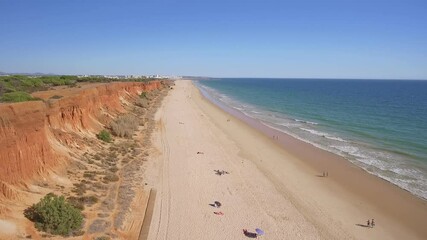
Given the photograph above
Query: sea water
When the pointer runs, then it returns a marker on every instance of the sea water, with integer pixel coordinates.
(379, 125)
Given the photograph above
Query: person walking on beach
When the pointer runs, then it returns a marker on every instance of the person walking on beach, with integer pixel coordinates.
(369, 223)
(372, 223)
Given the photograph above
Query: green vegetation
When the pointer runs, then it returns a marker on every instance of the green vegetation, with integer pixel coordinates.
(143, 95)
(29, 84)
(17, 97)
(54, 215)
(104, 135)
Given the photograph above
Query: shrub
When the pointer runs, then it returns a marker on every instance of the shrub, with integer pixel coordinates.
(125, 125)
(143, 95)
(80, 202)
(103, 238)
(111, 178)
(56, 97)
(90, 175)
(75, 201)
(104, 136)
(79, 188)
(54, 215)
(142, 102)
(17, 97)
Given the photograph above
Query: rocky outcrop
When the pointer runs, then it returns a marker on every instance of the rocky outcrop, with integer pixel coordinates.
(29, 131)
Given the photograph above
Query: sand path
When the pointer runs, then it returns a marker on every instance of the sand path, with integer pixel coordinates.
(266, 187)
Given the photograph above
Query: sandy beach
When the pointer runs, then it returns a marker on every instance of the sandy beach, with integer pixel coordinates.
(275, 185)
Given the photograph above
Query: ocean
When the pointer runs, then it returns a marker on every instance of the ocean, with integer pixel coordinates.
(378, 125)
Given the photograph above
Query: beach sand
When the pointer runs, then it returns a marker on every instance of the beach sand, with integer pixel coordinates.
(275, 185)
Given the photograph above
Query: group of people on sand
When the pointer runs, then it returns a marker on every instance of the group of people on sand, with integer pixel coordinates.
(275, 137)
(371, 223)
(248, 234)
(217, 204)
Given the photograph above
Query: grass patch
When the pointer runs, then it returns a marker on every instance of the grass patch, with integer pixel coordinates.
(104, 135)
(17, 97)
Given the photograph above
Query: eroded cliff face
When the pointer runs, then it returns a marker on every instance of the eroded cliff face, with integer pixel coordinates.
(34, 136)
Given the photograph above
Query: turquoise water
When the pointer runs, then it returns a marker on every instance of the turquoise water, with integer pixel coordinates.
(379, 125)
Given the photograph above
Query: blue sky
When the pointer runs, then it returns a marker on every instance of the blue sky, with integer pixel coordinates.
(221, 38)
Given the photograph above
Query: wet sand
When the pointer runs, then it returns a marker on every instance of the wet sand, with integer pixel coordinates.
(276, 185)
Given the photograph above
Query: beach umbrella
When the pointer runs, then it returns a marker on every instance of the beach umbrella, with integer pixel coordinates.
(259, 231)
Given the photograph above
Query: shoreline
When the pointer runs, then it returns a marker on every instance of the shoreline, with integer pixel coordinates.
(275, 188)
(372, 140)
(341, 171)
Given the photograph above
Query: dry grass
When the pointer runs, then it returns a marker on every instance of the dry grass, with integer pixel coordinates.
(125, 125)
(111, 178)
(142, 102)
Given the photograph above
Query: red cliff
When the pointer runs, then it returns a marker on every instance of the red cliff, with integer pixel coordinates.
(29, 143)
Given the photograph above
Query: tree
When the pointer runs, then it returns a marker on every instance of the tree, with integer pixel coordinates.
(53, 214)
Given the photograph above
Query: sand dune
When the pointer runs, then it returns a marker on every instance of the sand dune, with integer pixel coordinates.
(267, 187)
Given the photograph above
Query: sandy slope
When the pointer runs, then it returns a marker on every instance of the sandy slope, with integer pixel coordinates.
(266, 188)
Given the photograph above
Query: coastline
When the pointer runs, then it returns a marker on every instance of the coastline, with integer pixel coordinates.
(299, 146)
(343, 173)
(274, 184)
(344, 118)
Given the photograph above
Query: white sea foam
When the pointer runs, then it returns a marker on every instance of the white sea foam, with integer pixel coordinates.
(336, 138)
(308, 122)
(323, 134)
(318, 133)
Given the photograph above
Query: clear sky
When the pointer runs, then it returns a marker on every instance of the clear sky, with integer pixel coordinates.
(220, 38)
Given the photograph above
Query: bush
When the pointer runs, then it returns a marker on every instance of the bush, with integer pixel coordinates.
(17, 97)
(80, 202)
(111, 178)
(54, 215)
(104, 136)
(89, 174)
(55, 97)
(125, 125)
(142, 102)
(103, 238)
(79, 188)
(143, 95)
